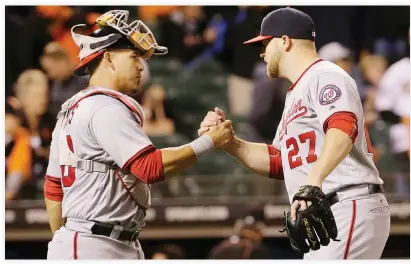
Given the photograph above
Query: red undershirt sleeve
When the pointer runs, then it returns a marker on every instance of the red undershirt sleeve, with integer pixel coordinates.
(344, 121)
(148, 166)
(52, 188)
(276, 166)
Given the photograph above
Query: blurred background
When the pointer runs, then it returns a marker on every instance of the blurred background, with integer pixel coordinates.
(217, 209)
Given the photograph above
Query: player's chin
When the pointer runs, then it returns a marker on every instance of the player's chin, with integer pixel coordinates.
(132, 90)
(271, 74)
(138, 83)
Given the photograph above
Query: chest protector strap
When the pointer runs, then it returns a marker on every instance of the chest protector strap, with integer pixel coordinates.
(67, 157)
(138, 190)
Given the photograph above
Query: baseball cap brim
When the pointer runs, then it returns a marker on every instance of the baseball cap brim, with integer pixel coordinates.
(257, 39)
(80, 69)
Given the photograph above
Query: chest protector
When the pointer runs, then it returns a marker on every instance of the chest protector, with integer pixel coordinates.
(139, 190)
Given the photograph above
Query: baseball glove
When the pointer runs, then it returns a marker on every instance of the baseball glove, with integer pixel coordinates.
(313, 227)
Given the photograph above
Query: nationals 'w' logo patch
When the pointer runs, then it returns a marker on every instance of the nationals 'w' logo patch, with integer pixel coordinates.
(329, 94)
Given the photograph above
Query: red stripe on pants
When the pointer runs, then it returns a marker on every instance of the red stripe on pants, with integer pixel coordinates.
(75, 245)
(354, 213)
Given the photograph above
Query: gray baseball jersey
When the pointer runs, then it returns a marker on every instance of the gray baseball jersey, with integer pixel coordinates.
(321, 91)
(104, 126)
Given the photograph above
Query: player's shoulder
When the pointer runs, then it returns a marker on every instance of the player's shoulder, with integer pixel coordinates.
(101, 103)
(325, 68)
(328, 73)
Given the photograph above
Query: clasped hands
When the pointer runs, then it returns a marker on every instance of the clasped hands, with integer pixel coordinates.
(220, 130)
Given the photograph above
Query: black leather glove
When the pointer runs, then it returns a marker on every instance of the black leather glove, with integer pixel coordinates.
(316, 224)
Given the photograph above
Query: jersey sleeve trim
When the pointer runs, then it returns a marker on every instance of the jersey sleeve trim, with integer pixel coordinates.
(276, 166)
(136, 155)
(344, 121)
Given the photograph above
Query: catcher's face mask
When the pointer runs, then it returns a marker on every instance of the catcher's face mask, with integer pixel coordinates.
(113, 26)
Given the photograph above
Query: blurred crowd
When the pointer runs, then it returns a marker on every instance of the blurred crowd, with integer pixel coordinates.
(245, 242)
(370, 43)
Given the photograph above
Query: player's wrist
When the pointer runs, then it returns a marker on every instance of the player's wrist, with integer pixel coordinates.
(232, 146)
(202, 145)
(314, 182)
(315, 177)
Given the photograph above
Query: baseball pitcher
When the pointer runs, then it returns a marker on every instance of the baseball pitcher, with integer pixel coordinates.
(321, 148)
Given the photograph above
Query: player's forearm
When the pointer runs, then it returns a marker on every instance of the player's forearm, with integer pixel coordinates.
(156, 164)
(253, 155)
(54, 212)
(337, 145)
(175, 160)
(178, 159)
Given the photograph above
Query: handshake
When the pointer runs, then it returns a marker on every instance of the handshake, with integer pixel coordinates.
(217, 128)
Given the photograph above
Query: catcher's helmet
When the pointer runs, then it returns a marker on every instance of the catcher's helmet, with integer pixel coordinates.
(113, 32)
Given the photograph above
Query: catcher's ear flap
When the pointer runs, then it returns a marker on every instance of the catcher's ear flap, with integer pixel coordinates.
(295, 234)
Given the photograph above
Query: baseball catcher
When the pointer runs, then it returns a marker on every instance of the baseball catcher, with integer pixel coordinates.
(102, 164)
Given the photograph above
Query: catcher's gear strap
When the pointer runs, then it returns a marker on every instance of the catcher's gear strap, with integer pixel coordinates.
(276, 166)
(52, 189)
(344, 121)
(68, 158)
(90, 166)
(131, 104)
(126, 100)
